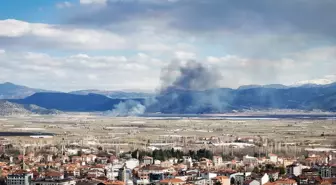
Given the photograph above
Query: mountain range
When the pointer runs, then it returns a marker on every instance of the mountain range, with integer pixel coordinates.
(114, 94)
(255, 97)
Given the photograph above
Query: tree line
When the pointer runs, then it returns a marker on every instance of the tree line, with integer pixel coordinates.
(166, 154)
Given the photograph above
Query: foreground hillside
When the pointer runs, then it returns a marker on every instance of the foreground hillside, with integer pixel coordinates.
(13, 91)
(12, 109)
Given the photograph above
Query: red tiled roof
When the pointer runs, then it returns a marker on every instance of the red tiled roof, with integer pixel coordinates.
(326, 182)
(20, 172)
(285, 181)
(167, 181)
(53, 174)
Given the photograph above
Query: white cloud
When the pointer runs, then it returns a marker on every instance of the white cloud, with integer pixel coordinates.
(28, 36)
(13, 28)
(83, 71)
(88, 2)
(237, 71)
(45, 35)
(65, 4)
(182, 55)
(143, 70)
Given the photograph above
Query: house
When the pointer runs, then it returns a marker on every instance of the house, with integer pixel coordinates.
(187, 160)
(273, 175)
(223, 180)
(89, 158)
(308, 180)
(326, 182)
(53, 175)
(73, 172)
(148, 160)
(286, 182)
(264, 179)
(205, 162)
(173, 160)
(252, 182)
(217, 160)
(198, 181)
(313, 173)
(239, 178)
(112, 183)
(273, 158)
(114, 159)
(74, 159)
(294, 169)
(174, 181)
(166, 164)
(152, 169)
(20, 177)
(249, 160)
(95, 174)
(327, 172)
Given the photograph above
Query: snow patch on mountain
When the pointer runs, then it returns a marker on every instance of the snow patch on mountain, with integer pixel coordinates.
(322, 81)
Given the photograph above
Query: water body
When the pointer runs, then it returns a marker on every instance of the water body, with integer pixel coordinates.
(243, 117)
(13, 134)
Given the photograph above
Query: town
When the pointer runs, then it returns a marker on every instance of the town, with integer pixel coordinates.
(139, 156)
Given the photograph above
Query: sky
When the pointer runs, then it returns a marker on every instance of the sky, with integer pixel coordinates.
(125, 44)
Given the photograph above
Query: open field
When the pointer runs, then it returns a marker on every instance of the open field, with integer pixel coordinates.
(125, 133)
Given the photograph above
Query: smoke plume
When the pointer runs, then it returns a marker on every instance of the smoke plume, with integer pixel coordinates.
(190, 87)
(189, 76)
(132, 107)
(128, 108)
(186, 87)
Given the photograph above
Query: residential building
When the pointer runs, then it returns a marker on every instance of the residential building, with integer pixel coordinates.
(223, 180)
(249, 160)
(252, 182)
(148, 160)
(273, 158)
(327, 172)
(53, 175)
(217, 160)
(294, 169)
(264, 179)
(20, 178)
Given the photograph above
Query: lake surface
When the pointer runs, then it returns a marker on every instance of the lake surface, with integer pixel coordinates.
(25, 134)
(244, 117)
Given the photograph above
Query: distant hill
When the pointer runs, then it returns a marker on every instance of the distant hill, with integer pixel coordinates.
(12, 91)
(72, 102)
(11, 109)
(114, 94)
(273, 86)
(321, 97)
(246, 98)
